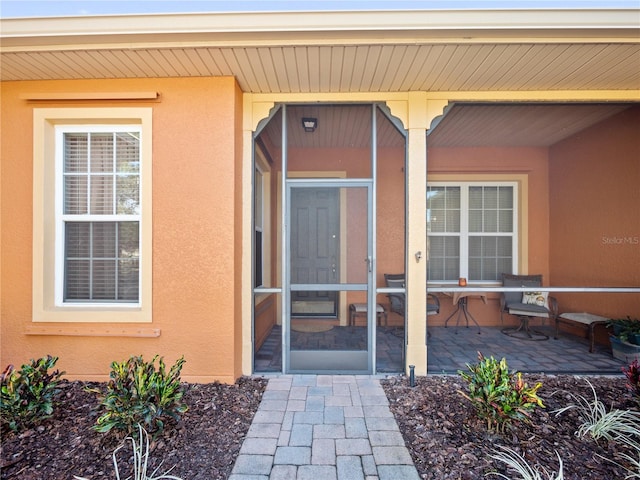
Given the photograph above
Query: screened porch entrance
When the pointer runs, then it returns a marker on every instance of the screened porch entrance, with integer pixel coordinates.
(320, 173)
(316, 280)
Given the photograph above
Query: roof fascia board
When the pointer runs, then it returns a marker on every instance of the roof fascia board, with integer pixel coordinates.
(270, 25)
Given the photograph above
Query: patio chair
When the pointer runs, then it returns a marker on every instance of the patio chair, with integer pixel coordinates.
(526, 305)
(397, 300)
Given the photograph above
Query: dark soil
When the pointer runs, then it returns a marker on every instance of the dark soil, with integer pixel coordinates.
(448, 441)
(202, 445)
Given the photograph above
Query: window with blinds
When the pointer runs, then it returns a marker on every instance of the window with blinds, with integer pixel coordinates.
(471, 231)
(100, 214)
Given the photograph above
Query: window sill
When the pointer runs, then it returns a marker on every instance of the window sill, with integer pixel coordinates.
(92, 331)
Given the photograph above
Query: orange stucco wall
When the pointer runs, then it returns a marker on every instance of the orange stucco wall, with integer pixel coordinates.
(595, 215)
(196, 247)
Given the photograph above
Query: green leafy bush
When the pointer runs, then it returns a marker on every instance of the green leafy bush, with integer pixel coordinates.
(27, 396)
(498, 396)
(138, 393)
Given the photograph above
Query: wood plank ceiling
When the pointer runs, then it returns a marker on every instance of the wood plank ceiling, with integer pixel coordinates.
(347, 68)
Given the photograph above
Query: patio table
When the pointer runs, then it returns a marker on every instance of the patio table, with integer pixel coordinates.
(461, 300)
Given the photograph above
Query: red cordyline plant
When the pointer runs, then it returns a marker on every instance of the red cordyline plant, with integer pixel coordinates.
(632, 372)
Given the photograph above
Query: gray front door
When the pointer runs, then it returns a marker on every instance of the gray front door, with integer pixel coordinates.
(315, 250)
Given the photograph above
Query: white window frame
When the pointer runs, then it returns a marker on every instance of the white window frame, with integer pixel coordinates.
(62, 218)
(464, 233)
(47, 233)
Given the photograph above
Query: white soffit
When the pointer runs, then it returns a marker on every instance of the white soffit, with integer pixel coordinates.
(294, 52)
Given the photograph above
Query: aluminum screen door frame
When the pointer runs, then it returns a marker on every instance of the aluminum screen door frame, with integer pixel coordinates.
(330, 361)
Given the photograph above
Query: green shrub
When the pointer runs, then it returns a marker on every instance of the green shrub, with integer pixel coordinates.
(498, 396)
(27, 396)
(137, 393)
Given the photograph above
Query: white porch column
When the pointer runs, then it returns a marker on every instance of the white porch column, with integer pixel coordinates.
(416, 352)
(421, 113)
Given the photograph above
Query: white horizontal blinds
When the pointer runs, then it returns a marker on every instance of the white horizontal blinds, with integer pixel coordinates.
(101, 216)
(443, 228)
(491, 222)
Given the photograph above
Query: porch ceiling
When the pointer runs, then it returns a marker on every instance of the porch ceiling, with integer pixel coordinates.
(462, 125)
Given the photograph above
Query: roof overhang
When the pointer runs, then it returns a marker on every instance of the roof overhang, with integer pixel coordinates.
(464, 55)
(354, 51)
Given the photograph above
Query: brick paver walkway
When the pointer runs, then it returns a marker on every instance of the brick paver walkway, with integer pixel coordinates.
(324, 427)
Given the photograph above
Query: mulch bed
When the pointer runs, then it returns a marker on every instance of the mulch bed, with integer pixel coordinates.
(448, 441)
(441, 430)
(203, 445)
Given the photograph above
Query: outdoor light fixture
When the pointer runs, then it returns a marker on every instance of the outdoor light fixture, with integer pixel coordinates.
(310, 124)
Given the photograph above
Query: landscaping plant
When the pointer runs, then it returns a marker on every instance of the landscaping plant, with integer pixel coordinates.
(138, 393)
(27, 396)
(520, 466)
(597, 422)
(498, 396)
(140, 457)
(632, 372)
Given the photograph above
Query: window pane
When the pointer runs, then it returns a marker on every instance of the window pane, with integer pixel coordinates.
(505, 221)
(104, 240)
(444, 258)
(128, 194)
(453, 221)
(443, 209)
(490, 197)
(103, 279)
(76, 280)
(475, 197)
(489, 257)
(505, 197)
(101, 152)
(75, 152)
(102, 261)
(101, 195)
(490, 209)
(128, 240)
(490, 221)
(128, 279)
(127, 152)
(77, 240)
(75, 195)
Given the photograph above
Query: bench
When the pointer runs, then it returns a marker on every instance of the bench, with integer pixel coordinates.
(360, 309)
(587, 320)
